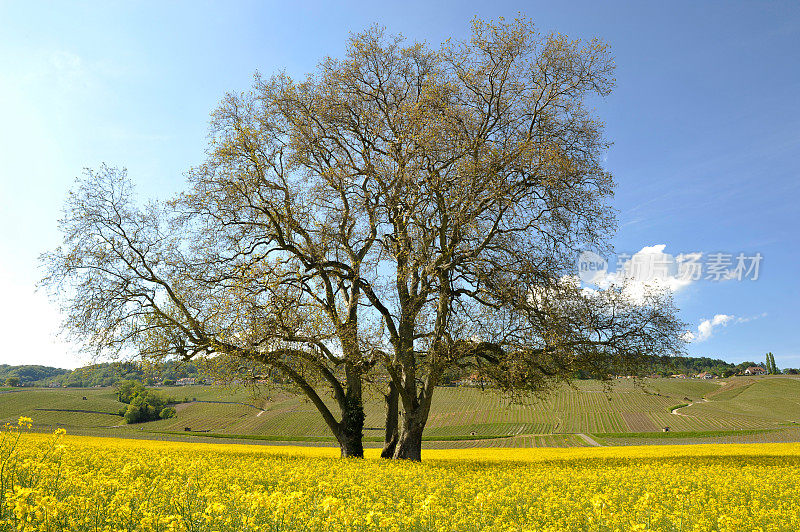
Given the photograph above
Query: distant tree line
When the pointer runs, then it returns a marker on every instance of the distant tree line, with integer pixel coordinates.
(662, 366)
(167, 373)
(111, 373)
(28, 374)
(666, 366)
(105, 374)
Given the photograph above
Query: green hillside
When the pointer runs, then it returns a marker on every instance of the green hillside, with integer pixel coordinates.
(737, 409)
(27, 374)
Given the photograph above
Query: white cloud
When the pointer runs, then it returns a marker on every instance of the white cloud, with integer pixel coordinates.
(648, 270)
(706, 328)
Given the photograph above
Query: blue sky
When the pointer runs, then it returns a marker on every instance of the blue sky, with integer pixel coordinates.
(705, 123)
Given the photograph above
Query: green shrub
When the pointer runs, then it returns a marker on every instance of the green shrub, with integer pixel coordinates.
(143, 404)
(128, 389)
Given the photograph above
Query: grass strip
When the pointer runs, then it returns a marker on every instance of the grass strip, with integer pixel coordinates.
(687, 434)
(321, 439)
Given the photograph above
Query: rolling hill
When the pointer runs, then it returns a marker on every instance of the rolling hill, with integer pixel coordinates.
(737, 409)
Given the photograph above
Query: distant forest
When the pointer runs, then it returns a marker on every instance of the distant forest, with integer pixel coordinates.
(667, 366)
(110, 373)
(692, 366)
(104, 374)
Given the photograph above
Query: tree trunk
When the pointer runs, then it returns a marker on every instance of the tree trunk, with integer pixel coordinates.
(350, 445)
(391, 435)
(409, 445)
(351, 431)
(351, 428)
(415, 417)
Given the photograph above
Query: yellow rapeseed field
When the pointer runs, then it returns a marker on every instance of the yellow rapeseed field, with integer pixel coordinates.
(70, 483)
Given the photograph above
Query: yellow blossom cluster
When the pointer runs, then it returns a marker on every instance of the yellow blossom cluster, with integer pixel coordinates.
(77, 483)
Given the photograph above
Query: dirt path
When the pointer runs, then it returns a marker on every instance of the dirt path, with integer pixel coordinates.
(588, 440)
(676, 413)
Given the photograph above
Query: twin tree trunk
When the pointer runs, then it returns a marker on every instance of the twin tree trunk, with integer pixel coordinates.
(350, 430)
(400, 441)
(404, 441)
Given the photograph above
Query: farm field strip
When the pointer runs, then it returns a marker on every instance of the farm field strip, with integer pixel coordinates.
(229, 488)
(457, 412)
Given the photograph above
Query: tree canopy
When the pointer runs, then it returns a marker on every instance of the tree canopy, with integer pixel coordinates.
(402, 211)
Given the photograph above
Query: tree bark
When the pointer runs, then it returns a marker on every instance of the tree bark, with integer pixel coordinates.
(417, 407)
(409, 445)
(351, 428)
(392, 432)
(350, 445)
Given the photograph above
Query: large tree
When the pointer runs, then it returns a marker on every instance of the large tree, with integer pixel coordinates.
(155, 282)
(400, 212)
